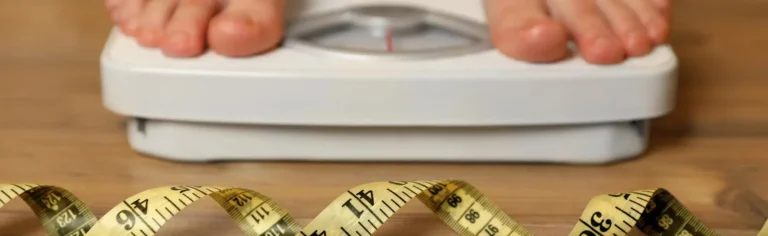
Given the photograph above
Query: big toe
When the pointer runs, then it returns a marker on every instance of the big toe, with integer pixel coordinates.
(596, 41)
(246, 27)
(538, 41)
(522, 29)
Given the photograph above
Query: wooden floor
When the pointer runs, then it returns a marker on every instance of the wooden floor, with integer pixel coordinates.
(712, 152)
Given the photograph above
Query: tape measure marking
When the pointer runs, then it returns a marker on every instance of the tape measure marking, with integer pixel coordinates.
(358, 212)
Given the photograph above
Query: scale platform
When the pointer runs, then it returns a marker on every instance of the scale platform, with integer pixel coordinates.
(365, 80)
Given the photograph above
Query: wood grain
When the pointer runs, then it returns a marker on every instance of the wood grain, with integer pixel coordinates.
(710, 152)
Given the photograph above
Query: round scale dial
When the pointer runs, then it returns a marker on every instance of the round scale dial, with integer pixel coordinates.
(387, 32)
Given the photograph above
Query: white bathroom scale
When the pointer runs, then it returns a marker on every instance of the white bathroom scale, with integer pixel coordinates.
(365, 80)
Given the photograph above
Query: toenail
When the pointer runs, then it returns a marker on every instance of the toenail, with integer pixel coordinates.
(148, 36)
(603, 44)
(132, 24)
(633, 39)
(178, 40)
(235, 24)
(112, 3)
(637, 43)
(655, 33)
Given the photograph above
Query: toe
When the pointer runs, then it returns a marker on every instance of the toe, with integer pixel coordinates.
(129, 14)
(247, 27)
(117, 10)
(113, 8)
(185, 32)
(152, 22)
(521, 29)
(112, 4)
(626, 26)
(652, 17)
(596, 41)
(665, 8)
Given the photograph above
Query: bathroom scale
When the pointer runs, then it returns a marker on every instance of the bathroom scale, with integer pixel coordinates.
(387, 80)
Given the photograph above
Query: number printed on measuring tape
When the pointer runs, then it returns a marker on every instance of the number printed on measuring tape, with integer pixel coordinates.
(359, 211)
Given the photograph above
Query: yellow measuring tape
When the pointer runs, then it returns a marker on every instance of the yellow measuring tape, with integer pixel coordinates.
(358, 212)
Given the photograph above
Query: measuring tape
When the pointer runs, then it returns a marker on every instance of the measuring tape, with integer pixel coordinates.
(358, 212)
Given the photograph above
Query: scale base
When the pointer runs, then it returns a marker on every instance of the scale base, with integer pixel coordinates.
(569, 144)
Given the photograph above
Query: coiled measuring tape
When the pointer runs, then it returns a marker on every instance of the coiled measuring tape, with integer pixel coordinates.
(358, 212)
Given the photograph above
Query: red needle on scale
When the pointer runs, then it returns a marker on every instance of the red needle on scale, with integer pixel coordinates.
(389, 40)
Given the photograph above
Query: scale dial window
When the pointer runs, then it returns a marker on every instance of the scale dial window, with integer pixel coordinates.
(388, 32)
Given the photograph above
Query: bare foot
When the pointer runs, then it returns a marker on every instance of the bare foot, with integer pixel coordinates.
(186, 28)
(606, 31)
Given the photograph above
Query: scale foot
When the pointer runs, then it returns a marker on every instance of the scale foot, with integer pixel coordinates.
(204, 142)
